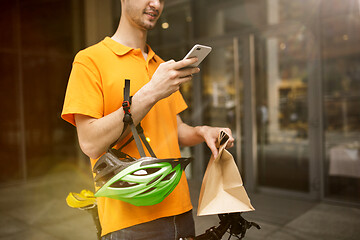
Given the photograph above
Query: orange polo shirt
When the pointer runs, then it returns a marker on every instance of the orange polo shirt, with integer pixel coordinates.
(95, 89)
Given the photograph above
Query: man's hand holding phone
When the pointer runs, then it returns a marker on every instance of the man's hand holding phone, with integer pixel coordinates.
(198, 51)
(171, 74)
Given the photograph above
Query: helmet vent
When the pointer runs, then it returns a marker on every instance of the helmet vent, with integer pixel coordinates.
(154, 180)
(101, 182)
(147, 171)
(101, 167)
(149, 190)
(122, 184)
(141, 172)
(169, 176)
(152, 170)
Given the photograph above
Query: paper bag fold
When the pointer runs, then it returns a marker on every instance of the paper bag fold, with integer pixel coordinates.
(222, 189)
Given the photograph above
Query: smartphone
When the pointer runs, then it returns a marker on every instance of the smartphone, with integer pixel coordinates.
(199, 51)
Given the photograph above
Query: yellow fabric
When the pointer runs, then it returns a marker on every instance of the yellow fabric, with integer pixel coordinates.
(95, 89)
(84, 199)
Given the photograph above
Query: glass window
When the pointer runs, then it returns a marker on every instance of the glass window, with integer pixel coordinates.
(282, 111)
(218, 86)
(173, 27)
(35, 67)
(221, 17)
(10, 165)
(333, 8)
(10, 123)
(44, 30)
(341, 99)
(288, 10)
(222, 88)
(47, 54)
(8, 25)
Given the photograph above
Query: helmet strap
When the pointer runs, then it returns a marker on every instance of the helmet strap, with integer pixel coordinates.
(136, 131)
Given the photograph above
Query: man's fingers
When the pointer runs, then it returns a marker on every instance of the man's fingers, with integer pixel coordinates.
(230, 144)
(185, 79)
(184, 63)
(214, 151)
(188, 71)
(231, 138)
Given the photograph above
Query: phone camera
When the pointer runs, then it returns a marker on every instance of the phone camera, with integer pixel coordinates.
(198, 49)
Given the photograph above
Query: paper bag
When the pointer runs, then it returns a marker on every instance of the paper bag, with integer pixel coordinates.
(222, 189)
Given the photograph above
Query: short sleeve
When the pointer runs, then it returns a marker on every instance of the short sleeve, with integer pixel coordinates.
(178, 102)
(84, 94)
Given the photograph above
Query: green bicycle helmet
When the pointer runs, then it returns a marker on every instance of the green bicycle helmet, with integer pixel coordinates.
(140, 182)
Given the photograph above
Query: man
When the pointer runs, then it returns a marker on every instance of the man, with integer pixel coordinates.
(93, 103)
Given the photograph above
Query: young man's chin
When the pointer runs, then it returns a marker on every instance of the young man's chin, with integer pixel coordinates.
(149, 26)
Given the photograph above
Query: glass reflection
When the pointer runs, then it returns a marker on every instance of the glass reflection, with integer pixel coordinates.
(341, 100)
(282, 113)
(218, 88)
(174, 26)
(221, 94)
(35, 66)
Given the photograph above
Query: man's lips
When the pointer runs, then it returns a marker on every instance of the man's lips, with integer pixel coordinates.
(152, 14)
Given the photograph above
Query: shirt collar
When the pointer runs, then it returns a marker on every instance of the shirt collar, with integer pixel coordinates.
(120, 49)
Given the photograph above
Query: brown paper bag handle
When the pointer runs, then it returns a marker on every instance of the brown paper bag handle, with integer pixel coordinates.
(222, 139)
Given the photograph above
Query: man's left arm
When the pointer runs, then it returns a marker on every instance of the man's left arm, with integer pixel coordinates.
(191, 136)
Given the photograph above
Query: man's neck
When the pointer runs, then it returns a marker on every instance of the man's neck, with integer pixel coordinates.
(130, 36)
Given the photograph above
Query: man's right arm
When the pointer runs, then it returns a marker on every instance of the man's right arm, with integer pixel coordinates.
(96, 135)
